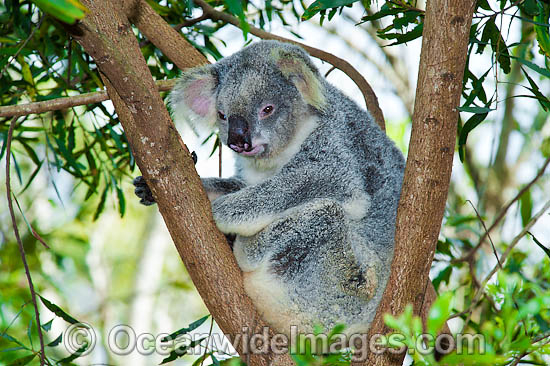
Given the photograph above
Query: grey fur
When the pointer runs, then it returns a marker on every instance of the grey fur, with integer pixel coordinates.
(314, 212)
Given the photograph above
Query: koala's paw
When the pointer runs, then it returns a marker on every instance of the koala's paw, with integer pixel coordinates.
(142, 191)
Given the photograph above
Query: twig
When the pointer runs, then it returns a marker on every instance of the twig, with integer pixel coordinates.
(178, 27)
(528, 352)
(368, 94)
(502, 213)
(219, 158)
(190, 22)
(329, 71)
(67, 102)
(33, 232)
(514, 242)
(486, 233)
(394, 73)
(20, 243)
(494, 15)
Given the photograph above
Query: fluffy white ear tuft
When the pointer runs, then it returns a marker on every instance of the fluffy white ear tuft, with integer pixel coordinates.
(297, 67)
(193, 98)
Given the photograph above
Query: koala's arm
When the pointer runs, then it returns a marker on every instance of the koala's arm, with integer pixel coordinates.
(216, 187)
(250, 209)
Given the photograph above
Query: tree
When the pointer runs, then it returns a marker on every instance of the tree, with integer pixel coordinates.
(106, 35)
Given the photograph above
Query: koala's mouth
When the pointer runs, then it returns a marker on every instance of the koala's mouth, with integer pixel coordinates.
(256, 150)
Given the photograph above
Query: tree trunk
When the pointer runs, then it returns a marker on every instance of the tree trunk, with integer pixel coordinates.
(429, 163)
(166, 164)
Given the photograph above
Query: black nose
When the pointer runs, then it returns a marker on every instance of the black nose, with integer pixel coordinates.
(238, 138)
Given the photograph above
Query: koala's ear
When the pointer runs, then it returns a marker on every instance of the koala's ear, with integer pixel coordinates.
(297, 67)
(193, 97)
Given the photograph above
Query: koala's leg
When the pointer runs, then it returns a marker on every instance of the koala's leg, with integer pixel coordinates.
(301, 269)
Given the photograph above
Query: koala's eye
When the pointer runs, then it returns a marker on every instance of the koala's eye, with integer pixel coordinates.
(268, 110)
(222, 116)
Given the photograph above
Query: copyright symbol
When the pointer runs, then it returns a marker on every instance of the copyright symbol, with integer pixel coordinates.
(79, 339)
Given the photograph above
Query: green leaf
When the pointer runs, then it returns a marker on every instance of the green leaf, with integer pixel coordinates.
(23, 360)
(488, 30)
(181, 351)
(483, 4)
(498, 45)
(545, 147)
(116, 138)
(69, 157)
(392, 322)
(543, 100)
(529, 7)
(216, 146)
(320, 5)
(47, 326)
(29, 332)
(120, 197)
(465, 359)
(17, 169)
(31, 178)
(526, 207)
(56, 341)
(406, 37)
(542, 32)
(101, 204)
(235, 7)
(199, 361)
(541, 246)
(58, 311)
(477, 110)
(532, 66)
(11, 339)
(439, 313)
(68, 11)
(191, 327)
(444, 247)
(542, 323)
(68, 360)
(385, 10)
(443, 276)
(470, 124)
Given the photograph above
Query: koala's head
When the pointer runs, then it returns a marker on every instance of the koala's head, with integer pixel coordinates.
(256, 97)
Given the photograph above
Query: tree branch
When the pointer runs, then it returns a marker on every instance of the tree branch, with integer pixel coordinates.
(18, 110)
(502, 213)
(107, 36)
(164, 37)
(429, 163)
(20, 243)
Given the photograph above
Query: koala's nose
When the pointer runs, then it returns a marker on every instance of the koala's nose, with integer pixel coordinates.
(238, 138)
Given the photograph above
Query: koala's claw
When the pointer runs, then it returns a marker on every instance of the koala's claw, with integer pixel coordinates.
(142, 191)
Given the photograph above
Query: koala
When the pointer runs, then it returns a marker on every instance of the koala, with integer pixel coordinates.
(313, 203)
